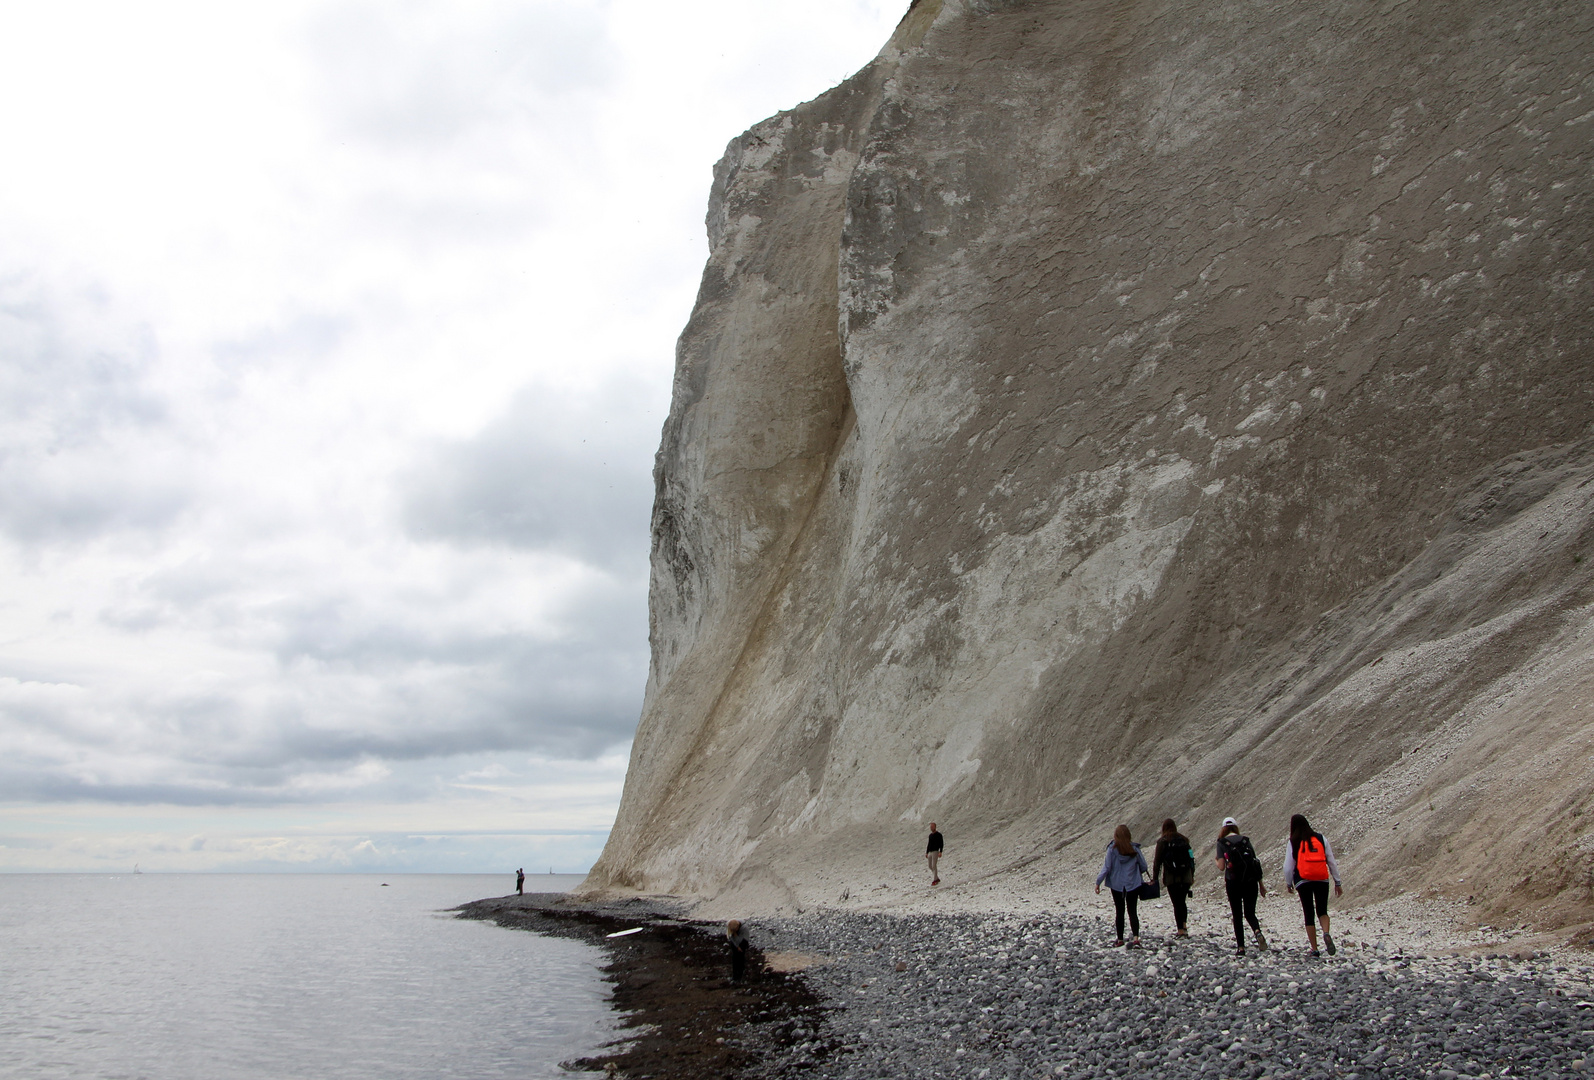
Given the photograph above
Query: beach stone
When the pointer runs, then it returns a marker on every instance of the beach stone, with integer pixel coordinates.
(1092, 1034)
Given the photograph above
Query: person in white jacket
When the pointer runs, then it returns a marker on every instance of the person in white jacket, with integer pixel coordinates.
(1308, 866)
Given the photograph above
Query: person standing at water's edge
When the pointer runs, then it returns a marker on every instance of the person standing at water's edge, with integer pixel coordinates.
(1174, 864)
(1308, 864)
(520, 882)
(1123, 871)
(739, 943)
(932, 854)
(1242, 880)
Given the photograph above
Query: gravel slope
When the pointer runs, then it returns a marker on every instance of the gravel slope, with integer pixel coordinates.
(1026, 996)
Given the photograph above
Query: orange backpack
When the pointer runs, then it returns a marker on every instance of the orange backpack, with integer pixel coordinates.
(1311, 860)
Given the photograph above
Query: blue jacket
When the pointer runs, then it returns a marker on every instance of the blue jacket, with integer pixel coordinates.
(1121, 873)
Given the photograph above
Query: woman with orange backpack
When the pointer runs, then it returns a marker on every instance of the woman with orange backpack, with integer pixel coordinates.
(1308, 864)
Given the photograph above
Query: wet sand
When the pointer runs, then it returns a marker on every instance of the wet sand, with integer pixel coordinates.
(682, 1017)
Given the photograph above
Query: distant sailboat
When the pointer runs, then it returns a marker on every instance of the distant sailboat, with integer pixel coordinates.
(136, 870)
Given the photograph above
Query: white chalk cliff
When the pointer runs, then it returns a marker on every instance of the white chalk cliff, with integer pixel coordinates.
(1096, 412)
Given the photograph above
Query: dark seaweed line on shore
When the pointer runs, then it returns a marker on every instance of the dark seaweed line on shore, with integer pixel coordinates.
(684, 1019)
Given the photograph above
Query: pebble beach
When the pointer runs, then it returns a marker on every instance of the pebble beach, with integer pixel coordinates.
(1003, 997)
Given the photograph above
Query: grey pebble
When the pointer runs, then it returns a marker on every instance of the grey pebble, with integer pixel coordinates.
(1019, 998)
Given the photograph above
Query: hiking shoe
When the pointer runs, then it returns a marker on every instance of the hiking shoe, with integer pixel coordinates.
(937, 881)
(1239, 950)
(1328, 940)
(1134, 943)
(1261, 942)
(1313, 952)
(1118, 944)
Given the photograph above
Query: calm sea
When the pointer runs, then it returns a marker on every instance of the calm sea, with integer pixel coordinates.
(278, 976)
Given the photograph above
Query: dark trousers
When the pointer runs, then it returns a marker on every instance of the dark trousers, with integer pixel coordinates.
(1242, 896)
(1312, 892)
(1130, 900)
(738, 963)
(1177, 895)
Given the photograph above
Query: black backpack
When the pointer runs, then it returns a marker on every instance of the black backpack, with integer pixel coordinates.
(1178, 865)
(1242, 859)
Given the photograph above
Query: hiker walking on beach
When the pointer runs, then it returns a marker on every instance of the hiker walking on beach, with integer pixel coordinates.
(520, 882)
(932, 854)
(1242, 880)
(1174, 866)
(1308, 864)
(737, 937)
(1123, 870)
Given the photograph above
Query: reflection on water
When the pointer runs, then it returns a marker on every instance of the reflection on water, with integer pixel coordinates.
(176, 976)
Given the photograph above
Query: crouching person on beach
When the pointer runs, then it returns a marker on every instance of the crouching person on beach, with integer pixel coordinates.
(1308, 864)
(739, 942)
(1123, 871)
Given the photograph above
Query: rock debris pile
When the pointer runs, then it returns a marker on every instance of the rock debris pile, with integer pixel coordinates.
(994, 998)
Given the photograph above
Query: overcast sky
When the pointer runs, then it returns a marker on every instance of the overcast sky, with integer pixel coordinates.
(335, 339)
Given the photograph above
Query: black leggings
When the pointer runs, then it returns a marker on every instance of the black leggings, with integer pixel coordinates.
(1131, 900)
(1242, 896)
(1310, 892)
(1178, 894)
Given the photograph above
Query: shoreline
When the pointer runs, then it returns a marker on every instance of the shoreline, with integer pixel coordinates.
(1001, 995)
(679, 1015)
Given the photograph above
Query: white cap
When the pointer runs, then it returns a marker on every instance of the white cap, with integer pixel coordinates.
(1231, 821)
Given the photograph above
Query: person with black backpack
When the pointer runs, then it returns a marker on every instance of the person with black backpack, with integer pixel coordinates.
(1242, 880)
(1308, 864)
(1174, 865)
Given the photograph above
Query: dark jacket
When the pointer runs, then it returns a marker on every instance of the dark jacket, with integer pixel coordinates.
(1165, 848)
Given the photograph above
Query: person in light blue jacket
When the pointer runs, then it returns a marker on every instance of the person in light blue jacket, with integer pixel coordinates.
(1123, 870)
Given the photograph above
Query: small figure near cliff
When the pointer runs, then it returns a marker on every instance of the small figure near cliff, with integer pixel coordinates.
(739, 943)
(1174, 864)
(932, 854)
(520, 882)
(1123, 870)
(1308, 864)
(1242, 880)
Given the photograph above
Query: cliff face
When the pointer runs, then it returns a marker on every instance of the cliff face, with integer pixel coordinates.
(1098, 412)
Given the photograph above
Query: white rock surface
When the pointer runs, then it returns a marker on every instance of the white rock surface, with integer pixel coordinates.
(1096, 414)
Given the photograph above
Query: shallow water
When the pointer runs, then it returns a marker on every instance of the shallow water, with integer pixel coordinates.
(273, 976)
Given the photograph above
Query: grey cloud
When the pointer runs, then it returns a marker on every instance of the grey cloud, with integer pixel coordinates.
(358, 680)
(549, 474)
(461, 691)
(305, 338)
(45, 498)
(65, 384)
(561, 701)
(74, 391)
